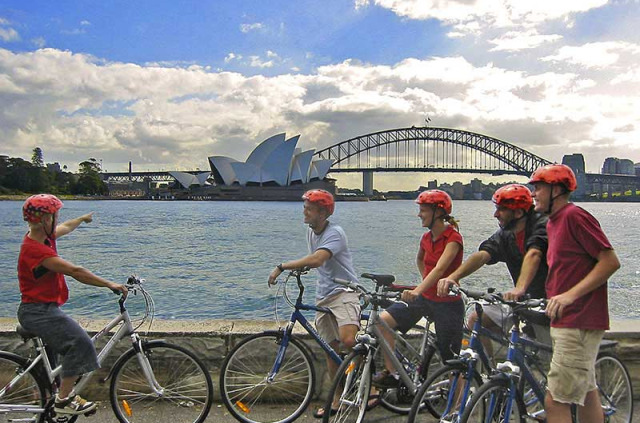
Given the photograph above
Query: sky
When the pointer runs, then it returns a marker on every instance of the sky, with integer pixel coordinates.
(165, 84)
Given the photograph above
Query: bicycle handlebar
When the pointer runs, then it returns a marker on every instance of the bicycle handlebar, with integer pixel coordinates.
(495, 297)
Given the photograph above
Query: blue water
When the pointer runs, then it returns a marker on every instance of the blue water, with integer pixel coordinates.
(211, 259)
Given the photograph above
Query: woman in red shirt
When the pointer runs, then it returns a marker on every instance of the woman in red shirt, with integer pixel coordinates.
(440, 253)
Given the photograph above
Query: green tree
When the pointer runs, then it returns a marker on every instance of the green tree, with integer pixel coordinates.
(89, 181)
(37, 159)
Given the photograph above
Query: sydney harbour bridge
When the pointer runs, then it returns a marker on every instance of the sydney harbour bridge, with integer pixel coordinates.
(428, 149)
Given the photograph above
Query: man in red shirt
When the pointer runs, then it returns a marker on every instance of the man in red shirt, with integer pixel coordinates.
(41, 276)
(581, 260)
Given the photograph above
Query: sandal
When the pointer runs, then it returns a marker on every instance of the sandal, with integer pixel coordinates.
(319, 413)
(374, 401)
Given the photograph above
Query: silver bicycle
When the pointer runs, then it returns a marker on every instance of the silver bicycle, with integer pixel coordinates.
(152, 381)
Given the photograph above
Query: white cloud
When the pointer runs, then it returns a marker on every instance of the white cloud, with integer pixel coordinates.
(7, 34)
(470, 17)
(75, 106)
(231, 57)
(257, 62)
(245, 28)
(515, 40)
(595, 55)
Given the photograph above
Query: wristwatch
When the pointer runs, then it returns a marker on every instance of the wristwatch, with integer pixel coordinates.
(280, 267)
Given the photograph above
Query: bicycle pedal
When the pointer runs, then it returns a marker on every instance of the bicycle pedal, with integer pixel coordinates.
(91, 413)
(62, 419)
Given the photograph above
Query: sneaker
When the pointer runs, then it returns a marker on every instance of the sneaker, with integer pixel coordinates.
(73, 405)
(384, 379)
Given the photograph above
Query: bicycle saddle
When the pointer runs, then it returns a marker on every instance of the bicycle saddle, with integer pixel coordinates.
(25, 334)
(384, 280)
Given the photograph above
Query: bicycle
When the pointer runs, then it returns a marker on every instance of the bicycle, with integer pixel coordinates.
(447, 391)
(270, 376)
(513, 389)
(147, 381)
(352, 383)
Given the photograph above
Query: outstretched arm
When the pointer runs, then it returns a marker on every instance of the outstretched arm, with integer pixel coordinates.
(68, 226)
(317, 259)
(79, 273)
(474, 262)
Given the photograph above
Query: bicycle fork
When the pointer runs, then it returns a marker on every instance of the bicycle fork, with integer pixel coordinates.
(143, 360)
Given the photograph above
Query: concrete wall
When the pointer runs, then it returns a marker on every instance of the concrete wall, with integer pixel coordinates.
(211, 340)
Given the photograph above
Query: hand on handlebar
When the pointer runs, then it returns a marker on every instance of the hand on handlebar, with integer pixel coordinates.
(119, 289)
(513, 295)
(410, 295)
(443, 286)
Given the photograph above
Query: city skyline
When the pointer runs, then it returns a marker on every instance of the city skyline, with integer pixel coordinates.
(165, 86)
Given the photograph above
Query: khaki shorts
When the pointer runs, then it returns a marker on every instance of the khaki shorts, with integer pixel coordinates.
(572, 373)
(345, 310)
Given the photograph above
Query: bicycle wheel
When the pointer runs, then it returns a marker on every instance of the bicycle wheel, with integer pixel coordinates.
(434, 395)
(350, 388)
(28, 390)
(247, 393)
(399, 400)
(615, 388)
(185, 384)
(489, 405)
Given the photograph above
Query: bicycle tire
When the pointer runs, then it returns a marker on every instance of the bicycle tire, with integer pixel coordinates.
(434, 393)
(399, 400)
(29, 390)
(353, 384)
(245, 391)
(614, 385)
(186, 383)
(488, 403)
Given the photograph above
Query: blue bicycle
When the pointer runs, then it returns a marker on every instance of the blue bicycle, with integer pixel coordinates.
(515, 392)
(270, 376)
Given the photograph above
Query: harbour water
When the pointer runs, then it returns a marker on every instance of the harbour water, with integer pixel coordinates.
(210, 260)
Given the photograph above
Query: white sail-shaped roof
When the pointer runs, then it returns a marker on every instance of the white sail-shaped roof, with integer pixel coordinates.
(261, 153)
(320, 168)
(300, 166)
(277, 165)
(246, 172)
(187, 179)
(202, 178)
(221, 169)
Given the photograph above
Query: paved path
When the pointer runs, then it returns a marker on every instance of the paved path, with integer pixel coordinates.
(219, 414)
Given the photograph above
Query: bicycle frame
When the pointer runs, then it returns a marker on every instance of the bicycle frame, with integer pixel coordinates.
(125, 329)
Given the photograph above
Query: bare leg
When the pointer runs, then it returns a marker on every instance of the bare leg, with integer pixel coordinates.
(388, 336)
(557, 412)
(66, 386)
(591, 411)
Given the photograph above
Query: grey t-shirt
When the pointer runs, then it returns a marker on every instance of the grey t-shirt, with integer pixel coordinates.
(340, 265)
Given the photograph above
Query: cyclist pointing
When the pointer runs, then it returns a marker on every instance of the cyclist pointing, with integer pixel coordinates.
(330, 255)
(42, 285)
(581, 259)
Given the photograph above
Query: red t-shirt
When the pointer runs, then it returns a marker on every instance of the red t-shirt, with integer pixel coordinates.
(575, 240)
(433, 249)
(38, 284)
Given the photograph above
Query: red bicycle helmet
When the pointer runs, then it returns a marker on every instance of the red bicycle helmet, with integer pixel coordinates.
(436, 197)
(322, 198)
(514, 197)
(555, 174)
(38, 205)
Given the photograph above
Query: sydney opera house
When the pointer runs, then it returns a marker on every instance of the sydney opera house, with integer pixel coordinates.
(275, 170)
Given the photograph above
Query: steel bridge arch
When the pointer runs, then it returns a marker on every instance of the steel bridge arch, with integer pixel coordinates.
(515, 159)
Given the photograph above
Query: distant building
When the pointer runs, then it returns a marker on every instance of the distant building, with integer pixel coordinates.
(576, 163)
(54, 167)
(432, 184)
(637, 169)
(616, 166)
(275, 162)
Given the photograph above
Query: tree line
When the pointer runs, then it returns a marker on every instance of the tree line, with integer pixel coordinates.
(19, 176)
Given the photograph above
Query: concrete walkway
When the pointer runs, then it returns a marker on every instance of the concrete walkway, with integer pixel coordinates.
(219, 414)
